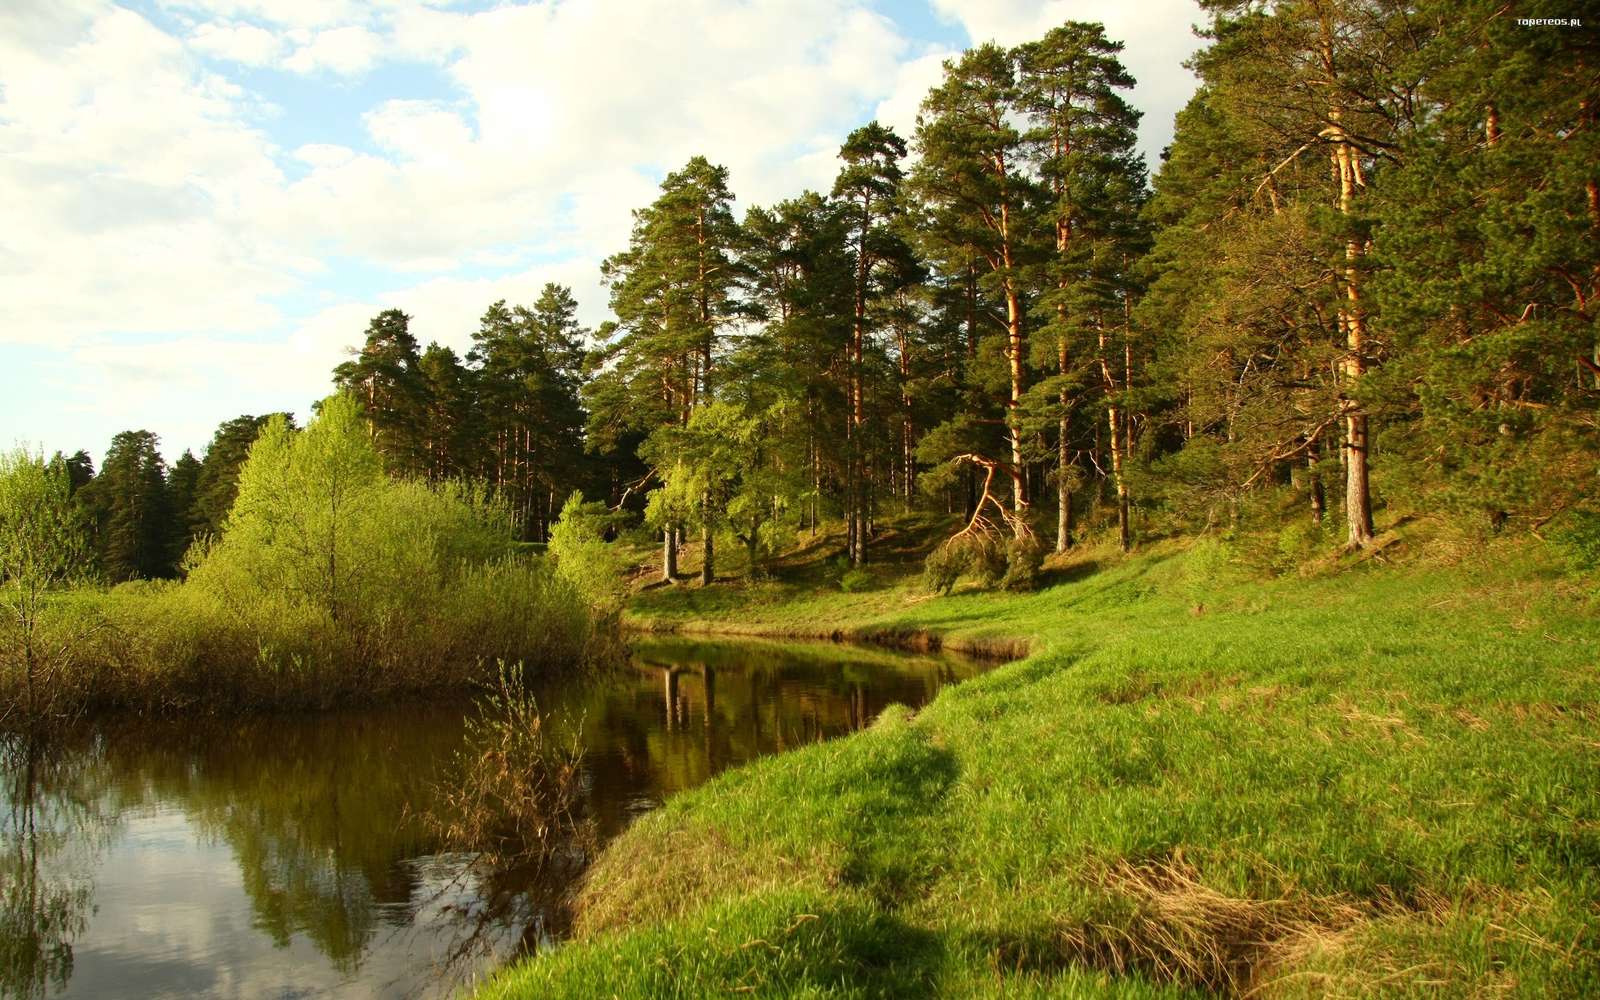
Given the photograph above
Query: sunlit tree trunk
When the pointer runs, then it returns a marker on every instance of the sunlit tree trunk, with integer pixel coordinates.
(1352, 319)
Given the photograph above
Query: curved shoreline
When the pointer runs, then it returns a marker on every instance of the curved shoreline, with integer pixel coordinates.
(999, 649)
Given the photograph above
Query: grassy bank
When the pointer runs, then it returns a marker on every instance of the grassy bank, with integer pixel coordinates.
(1376, 779)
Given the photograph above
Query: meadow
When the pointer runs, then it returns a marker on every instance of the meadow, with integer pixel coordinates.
(1375, 776)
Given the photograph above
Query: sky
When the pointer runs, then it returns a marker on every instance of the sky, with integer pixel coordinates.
(203, 202)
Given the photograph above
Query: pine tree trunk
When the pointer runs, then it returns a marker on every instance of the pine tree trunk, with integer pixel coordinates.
(1114, 423)
(708, 571)
(1358, 499)
(1591, 190)
(1124, 532)
(1064, 429)
(1019, 501)
(907, 438)
(1314, 481)
(856, 491)
(1063, 489)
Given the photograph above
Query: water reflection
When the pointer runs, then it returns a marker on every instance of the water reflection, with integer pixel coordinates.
(53, 824)
(284, 856)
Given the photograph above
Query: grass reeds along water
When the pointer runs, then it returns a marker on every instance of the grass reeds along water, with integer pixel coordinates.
(1372, 780)
(330, 582)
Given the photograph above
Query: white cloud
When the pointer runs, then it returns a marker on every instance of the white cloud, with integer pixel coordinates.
(419, 131)
(912, 83)
(282, 13)
(128, 186)
(346, 50)
(324, 154)
(248, 44)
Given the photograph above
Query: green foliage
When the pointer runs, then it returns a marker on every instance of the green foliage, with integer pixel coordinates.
(43, 543)
(43, 549)
(583, 557)
(991, 560)
(385, 375)
(333, 582)
(524, 407)
(1300, 541)
(981, 556)
(725, 468)
(218, 482)
(854, 580)
(129, 505)
(1024, 563)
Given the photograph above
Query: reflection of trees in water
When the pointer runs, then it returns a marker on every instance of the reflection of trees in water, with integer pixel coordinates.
(315, 812)
(320, 813)
(53, 822)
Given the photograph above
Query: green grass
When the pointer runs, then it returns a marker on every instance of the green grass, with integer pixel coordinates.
(1383, 779)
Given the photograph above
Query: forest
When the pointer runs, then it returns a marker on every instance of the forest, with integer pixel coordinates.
(1363, 278)
(1258, 488)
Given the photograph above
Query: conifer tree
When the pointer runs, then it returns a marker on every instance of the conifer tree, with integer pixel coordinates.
(183, 489)
(869, 186)
(978, 207)
(385, 376)
(1080, 140)
(448, 426)
(128, 503)
(674, 291)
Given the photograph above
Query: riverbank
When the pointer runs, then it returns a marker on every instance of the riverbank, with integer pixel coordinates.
(177, 649)
(1375, 778)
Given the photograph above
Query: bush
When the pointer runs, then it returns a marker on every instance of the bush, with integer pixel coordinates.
(43, 550)
(978, 556)
(1299, 542)
(332, 582)
(1024, 563)
(855, 580)
(597, 568)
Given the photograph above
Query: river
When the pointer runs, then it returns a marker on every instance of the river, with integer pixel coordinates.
(282, 856)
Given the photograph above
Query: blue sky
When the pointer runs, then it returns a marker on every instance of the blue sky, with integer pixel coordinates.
(207, 199)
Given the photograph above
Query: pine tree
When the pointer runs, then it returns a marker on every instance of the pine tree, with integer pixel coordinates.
(529, 374)
(128, 503)
(1317, 78)
(801, 283)
(869, 186)
(674, 291)
(385, 376)
(1488, 270)
(978, 208)
(183, 489)
(1081, 140)
(448, 432)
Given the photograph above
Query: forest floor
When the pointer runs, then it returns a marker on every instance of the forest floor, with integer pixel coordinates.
(1378, 777)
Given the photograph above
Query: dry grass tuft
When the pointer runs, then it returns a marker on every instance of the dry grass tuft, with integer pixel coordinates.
(1171, 926)
(1178, 929)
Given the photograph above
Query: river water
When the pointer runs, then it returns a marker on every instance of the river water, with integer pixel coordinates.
(282, 856)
